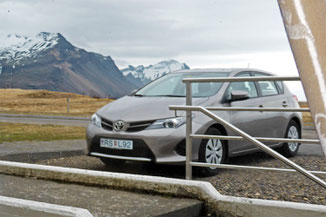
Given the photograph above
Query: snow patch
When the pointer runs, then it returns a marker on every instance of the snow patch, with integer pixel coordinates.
(14, 47)
(152, 72)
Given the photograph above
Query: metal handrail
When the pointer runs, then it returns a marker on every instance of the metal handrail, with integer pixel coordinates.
(260, 145)
(259, 109)
(189, 136)
(262, 139)
(238, 167)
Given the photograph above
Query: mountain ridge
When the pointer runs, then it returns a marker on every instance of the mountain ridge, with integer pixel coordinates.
(144, 74)
(48, 61)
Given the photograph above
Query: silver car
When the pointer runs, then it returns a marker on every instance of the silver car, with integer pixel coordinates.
(140, 127)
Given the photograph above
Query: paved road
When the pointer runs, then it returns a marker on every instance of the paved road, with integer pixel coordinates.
(42, 119)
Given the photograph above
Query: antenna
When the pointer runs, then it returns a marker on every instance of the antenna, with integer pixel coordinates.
(248, 65)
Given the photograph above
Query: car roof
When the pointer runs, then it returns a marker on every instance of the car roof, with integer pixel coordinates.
(231, 71)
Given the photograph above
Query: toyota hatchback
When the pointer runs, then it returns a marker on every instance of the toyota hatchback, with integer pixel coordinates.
(140, 127)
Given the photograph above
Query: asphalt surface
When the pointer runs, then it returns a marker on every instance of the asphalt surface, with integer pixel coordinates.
(42, 119)
(31, 151)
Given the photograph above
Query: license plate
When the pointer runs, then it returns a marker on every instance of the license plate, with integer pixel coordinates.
(116, 144)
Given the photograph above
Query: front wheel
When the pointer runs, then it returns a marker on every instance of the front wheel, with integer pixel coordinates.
(212, 151)
(293, 131)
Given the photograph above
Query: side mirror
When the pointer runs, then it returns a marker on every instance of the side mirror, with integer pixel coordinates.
(237, 95)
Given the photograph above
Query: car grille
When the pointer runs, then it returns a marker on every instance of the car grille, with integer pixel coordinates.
(132, 127)
(107, 125)
(140, 149)
(138, 126)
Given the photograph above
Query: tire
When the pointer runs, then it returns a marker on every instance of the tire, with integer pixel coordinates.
(112, 162)
(218, 156)
(293, 131)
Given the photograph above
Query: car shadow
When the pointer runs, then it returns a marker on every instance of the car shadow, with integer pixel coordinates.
(173, 171)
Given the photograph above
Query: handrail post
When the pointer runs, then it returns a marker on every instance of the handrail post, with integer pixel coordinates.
(188, 131)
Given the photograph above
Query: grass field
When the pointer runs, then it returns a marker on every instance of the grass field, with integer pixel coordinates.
(306, 116)
(47, 102)
(11, 132)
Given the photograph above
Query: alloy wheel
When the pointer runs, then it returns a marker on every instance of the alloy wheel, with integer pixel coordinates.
(293, 134)
(214, 151)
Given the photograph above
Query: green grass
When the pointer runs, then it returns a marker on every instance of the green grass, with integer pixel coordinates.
(11, 132)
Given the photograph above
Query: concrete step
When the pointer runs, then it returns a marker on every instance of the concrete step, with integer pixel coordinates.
(98, 201)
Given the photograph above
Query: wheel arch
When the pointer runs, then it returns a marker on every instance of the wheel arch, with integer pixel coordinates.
(297, 120)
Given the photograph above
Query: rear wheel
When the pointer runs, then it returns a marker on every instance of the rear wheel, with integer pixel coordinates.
(293, 131)
(212, 151)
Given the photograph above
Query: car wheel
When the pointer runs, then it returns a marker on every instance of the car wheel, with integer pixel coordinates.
(293, 131)
(112, 162)
(212, 151)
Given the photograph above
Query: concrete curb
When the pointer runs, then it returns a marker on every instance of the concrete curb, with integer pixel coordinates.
(45, 117)
(36, 156)
(204, 191)
(18, 207)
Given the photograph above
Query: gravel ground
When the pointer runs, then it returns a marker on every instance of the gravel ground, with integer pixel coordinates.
(251, 184)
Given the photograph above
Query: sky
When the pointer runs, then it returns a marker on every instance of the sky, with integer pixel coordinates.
(200, 33)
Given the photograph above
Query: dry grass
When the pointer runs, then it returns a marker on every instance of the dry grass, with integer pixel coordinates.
(10, 132)
(307, 119)
(47, 102)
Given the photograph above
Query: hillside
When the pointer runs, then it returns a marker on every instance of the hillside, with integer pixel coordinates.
(48, 61)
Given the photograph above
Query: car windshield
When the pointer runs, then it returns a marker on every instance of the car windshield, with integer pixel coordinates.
(171, 85)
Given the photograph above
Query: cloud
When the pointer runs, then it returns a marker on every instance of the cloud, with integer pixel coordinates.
(209, 33)
(152, 28)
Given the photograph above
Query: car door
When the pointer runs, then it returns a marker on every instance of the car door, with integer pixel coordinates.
(271, 96)
(248, 121)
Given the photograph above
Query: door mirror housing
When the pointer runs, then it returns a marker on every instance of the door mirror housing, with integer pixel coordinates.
(237, 95)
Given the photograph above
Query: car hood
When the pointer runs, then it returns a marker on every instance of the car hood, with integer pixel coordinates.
(133, 108)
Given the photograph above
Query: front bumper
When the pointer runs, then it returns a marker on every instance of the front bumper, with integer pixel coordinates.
(157, 145)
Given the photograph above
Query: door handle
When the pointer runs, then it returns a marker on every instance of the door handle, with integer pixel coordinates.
(284, 104)
(261, 106)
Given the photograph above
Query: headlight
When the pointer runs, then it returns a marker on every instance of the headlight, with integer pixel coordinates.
(168, 123)
(96, 120)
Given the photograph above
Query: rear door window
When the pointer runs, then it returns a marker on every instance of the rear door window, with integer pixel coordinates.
(280, 86)
(267, 88)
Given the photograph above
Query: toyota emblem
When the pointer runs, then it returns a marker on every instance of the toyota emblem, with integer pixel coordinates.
(118, 125)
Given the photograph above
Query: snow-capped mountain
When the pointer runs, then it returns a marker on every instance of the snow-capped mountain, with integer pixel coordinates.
(144, 74)
(48, 61)
(14, 47)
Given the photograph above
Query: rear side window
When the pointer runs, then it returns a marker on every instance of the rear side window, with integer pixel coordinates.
(280, 86)
(267, 88)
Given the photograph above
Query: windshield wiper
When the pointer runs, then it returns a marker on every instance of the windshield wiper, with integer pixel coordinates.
(140, 95)
(172, 95)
